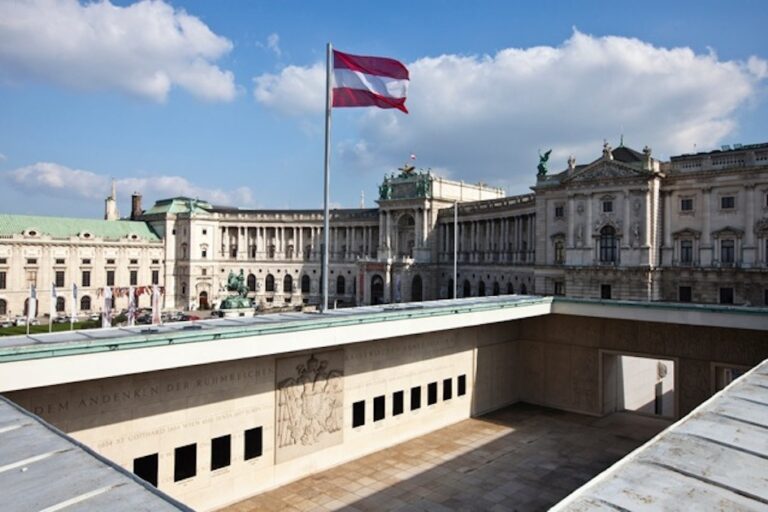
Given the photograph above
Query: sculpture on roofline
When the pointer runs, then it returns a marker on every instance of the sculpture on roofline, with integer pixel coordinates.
(543, 160)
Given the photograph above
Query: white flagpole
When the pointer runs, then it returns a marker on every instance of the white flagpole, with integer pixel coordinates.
(455, 248)
(326, 220)
(74, 307)
(52, 308)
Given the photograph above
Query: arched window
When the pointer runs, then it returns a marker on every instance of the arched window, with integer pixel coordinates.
(481, 288)
(559, 252)
(3, 307)
(341, 285)
(60, 304)
(202, 300)
(85, 303)
(269, 283)
(608, 245)
(496, 288)
(523, 289)
(287, 284)
(416, 293)
(305, 283)
(251, 283)
(467, 289)
(510, 288)
(450, 289)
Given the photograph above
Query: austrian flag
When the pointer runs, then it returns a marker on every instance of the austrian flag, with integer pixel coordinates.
(369, 82)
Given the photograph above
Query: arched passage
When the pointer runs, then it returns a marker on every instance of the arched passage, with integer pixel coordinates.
(467, 292)
(202, 300)
(251, 283)
(496, 288)
(416, 291)
(269, 283)
(341, 285)
(377, 290)
(287, 284)
(305, 283)
(481, 288)
(451, 289)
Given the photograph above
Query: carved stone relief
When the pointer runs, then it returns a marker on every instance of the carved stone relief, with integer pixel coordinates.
(310, 400)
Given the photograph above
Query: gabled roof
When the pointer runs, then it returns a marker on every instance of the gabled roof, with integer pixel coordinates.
(62, 227)
(601, 169)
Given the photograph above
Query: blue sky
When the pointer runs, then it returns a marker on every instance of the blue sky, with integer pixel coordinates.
(224, 100)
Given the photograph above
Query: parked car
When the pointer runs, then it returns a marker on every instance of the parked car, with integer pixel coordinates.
(187, 317)
(6, 323)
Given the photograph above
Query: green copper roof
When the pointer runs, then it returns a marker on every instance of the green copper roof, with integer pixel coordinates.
(179, 205)
(62, 227)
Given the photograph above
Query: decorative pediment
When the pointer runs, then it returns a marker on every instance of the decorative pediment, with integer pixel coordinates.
(727, 231)
(606, 219)
(686, 233)
(606, 170)
(558, 235)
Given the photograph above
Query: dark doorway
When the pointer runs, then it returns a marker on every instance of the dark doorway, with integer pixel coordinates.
(377, 290)
(416, 294)
(203, 300)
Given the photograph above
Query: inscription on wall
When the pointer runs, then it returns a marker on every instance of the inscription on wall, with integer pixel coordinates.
(310, 400)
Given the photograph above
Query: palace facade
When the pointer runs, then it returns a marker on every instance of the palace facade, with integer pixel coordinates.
(624, 226)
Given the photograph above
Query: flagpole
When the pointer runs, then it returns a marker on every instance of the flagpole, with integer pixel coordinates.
(326, 216)
(455, 247)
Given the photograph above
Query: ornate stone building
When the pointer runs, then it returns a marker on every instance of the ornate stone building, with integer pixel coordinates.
(624, 226)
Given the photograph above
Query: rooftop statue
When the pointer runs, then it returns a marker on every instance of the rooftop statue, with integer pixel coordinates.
(236, 283)
(385, 190)
(543, 159)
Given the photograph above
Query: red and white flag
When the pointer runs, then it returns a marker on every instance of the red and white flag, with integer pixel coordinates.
(369, 82)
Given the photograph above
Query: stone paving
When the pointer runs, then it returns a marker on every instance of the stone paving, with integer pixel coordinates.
(521, 458)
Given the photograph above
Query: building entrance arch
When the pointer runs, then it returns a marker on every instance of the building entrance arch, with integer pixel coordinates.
(377, 290)
(202, 300)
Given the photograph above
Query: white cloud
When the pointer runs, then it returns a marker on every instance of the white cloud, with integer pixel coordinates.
(55, 180)
(143, 49)
(3, 158)
(295, 90)
(273, 44)
(485, 117)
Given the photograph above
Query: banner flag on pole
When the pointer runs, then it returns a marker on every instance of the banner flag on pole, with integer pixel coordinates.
(369, 82)
(52, 308)
(106, 313)
(31, 305)
(131, 306)
(156, 319)
(74, 307)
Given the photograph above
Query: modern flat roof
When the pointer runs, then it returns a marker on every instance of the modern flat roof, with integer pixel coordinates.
(715, 458)
(41, 468)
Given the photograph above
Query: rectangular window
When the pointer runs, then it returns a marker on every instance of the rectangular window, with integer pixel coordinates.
(416, 398)
(155, 262)
(110, 278)
(221, 452)
(86, 280)
(379, 406)
(134, 277)
(726, 295)
(3, 282)
(205, 231)
(605, 291)
(86, 261)
(447, 389)
(110, 261)
(397, 403)
(727, 202)
(462, 385)
(686, 251)
(155, 277)
(559, 288)
(684, 294)
(60, 261)
(146, 468)
(59, 278)
(3, 261)
(727, 251)
(686, 204)
(253, 443)
(559, 212)
(134, 262)
(203, 254)
(185, 462)
(432, 393)
(607, 206)
(31, 261)
(358, 414)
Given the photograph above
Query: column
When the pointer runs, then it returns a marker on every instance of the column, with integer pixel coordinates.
(749, 227)
(424, 226)
(571, 222)
(588, 228)
(625, 225)
(706, 200)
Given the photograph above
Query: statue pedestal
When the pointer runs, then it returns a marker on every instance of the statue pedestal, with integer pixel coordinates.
(237, 313)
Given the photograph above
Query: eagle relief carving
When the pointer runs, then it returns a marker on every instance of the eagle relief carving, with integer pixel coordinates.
(309, 404)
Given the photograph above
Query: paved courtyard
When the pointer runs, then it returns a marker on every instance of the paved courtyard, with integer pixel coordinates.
(520, 458)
